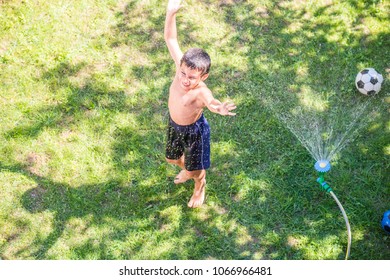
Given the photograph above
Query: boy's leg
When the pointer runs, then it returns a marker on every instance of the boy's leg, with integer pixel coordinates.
(198, 196)
(183, 176)
(199, 177)
(179, 162)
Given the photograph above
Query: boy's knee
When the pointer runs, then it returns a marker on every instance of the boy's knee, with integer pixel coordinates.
(197, 174)
(172, 161)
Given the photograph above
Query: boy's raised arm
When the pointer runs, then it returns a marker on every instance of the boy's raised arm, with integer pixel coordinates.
(170, 31)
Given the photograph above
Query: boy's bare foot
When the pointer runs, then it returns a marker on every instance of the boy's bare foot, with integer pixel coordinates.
(181, 177)
(197, 198)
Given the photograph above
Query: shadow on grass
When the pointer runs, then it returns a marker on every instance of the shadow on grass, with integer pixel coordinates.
(126, 211)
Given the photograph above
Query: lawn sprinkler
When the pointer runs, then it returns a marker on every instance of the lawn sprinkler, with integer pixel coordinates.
(323, 166)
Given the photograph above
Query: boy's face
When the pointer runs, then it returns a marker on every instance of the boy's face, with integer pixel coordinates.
(190, 78)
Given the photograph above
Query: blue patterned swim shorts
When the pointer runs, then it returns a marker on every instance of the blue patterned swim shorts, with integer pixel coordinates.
(191, 140)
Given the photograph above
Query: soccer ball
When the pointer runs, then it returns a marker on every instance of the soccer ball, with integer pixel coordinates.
(369, 81)
(386, 221)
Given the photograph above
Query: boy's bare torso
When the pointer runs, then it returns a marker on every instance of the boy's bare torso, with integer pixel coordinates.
(185, 107)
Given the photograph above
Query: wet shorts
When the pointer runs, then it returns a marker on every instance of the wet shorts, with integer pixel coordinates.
(191, 140)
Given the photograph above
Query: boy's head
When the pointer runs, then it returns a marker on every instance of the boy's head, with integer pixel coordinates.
(197, 59)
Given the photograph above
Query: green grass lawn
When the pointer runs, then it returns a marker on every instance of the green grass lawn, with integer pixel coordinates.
(83, 97)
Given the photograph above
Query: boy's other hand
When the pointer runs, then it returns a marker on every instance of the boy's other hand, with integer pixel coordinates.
(226, 107)
(174, 6)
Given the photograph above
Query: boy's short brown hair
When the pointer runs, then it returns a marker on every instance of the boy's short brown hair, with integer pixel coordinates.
(198, 59)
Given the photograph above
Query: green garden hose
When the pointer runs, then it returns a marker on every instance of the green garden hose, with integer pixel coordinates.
(323, 166)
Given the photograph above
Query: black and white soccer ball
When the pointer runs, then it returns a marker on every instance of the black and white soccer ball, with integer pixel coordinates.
(369, 81)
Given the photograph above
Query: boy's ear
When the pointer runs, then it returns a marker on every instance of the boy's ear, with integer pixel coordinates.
(204, 77)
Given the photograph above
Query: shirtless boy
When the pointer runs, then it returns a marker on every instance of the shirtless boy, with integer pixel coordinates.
(188, 144)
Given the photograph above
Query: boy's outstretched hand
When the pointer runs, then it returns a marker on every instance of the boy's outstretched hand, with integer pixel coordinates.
(226, 107)
(174, 6)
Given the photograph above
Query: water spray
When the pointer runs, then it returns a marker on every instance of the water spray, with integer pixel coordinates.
(323, 166)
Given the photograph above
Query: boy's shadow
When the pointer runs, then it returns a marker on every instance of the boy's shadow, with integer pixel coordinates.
(107, 199)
